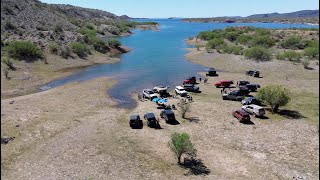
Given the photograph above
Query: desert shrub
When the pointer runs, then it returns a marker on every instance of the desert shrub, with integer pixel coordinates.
(21, 49)
(265, 41)
(198, 47)
(293, 42)
(232, 49)
(243, 39)
(90, 26)
(279, 56)
(53, 48)
(181, 144)
(215, 43)
(263, 32)
(58, 28)
(100, 45)
(65, 52)
(8, 25)
(6, 73)
(80, 49)
(312, 52)
(114, 42)
(305, 63)
(274, 95)
(231, 36)
(9, 63)
(184, 108)
(257, 53)
(291, 55)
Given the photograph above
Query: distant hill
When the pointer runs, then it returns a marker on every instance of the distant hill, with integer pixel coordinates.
(297, 14)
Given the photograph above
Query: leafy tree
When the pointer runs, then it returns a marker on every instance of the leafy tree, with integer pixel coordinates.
(180, 144)
(257, 53)
(274, 95)
(231, 36)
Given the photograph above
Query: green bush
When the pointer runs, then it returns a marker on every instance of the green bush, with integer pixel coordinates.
(263, 32)
(180, 144)
(214, 43)
(305, 63)
(243, 39)
(100, 45)
(65, 52)
(257, 53)
(312, 52)
(291, 55)
(274, 95)
(58, 28)
(80, 49)
(23, 49)
(53, 48)
(293, 42)
(231, 36)
(90, 26)
(264, 41)
(9, 63)
(114, 42)
(232, 49)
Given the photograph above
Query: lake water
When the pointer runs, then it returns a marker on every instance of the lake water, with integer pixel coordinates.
(156, 58)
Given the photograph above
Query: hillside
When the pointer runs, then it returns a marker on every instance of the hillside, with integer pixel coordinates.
(296, 14)
(303, 16)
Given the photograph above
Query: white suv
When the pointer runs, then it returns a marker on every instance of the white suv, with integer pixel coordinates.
(254, 109)
(181, 91)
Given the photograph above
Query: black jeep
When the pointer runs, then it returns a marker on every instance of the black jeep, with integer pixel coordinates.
(253, 73)
(151, 120)
(211, 72)
(168, 115)
(135, 121)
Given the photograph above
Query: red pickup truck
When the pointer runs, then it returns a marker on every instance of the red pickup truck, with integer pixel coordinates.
(190, 80)
(223, 83)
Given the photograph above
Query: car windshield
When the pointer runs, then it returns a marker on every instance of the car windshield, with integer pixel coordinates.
(261, 111)
(150, 92)
(181, 89)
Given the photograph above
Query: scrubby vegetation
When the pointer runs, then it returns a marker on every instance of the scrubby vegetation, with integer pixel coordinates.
(263, 44)
(23, 49)
(80, 49)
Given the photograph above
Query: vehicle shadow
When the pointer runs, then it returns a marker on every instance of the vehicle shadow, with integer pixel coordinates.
(262, 117)
(291, 114)
(248, 122)
(195, 166)
(193, 119)
(309, 68)
(173, 122)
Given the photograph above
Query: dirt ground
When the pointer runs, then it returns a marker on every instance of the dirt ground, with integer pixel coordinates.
(76, 131)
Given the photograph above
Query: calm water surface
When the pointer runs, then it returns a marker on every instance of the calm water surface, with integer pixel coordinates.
(156, 58)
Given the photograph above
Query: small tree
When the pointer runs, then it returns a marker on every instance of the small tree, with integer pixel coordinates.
(274, 95)
(114, 42)
(180, 144)
(312, 52)
(292, 55)
(184, 108)
(257, 53)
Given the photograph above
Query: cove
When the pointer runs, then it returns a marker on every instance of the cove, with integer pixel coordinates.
(157, 57)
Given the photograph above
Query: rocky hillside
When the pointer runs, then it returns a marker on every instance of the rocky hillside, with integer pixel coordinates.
(296, 14)
(42, 23)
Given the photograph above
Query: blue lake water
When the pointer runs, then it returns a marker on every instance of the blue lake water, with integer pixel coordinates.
(156, 58)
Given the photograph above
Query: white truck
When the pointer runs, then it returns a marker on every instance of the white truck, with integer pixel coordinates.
(149, 94)
(254, 109)
(180, 91)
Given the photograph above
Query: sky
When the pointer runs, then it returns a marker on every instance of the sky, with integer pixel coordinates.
(192, 8)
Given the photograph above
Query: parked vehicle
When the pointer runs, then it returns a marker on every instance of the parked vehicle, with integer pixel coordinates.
(253, 73)
(244, 90)
(242, 83)
(254, 109)
(135, 121)
(191, 87)
(151, 120)
(234, 95)
(181, 91)
(250, 100)
(223, 83)
(168, 115)
(162, 91)
(190, 80)
(241, 115)
(253, 87)
(148, 93)
(211, 72)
